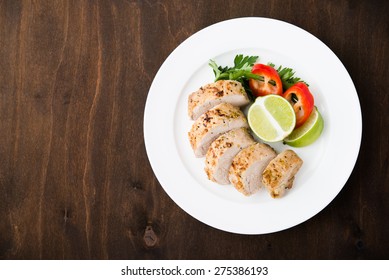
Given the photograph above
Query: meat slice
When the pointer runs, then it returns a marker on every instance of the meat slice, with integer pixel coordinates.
(222, 151)
(210, 95)
(246, 169)
(210, 125)
(280, 172)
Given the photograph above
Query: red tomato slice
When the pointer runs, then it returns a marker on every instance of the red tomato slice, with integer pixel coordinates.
(302, 101)
(269, 81)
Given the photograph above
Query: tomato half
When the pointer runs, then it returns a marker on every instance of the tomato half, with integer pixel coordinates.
(301, 100)
(269, 81)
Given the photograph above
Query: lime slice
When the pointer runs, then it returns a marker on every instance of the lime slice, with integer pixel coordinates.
(271, 118)
(308, 132)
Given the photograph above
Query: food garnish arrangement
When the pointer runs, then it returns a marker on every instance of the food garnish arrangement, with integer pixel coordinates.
(236, 146)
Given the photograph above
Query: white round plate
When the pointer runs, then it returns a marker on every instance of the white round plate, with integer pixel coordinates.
(328, 162)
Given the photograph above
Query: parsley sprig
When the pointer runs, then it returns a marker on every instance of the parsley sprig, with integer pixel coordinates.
(287, 76)
(241, 69)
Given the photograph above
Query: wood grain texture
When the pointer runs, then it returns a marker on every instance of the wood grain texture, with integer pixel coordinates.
(75, 181)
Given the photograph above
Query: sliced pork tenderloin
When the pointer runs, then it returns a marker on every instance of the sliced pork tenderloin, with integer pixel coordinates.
(222, 151)
(280, 173)
(210, 95)
(246, 169)
(210, 125)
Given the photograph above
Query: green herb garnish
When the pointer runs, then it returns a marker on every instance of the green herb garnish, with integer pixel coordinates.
(287, 76)
(241, 69)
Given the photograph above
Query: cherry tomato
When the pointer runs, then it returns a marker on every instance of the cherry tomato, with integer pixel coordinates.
(269, 81)
(302, 101)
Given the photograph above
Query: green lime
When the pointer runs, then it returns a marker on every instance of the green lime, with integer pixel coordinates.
(308, 132)
(271, 118)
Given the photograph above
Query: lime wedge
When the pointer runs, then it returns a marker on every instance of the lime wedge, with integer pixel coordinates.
(271, 118)
(308, 132)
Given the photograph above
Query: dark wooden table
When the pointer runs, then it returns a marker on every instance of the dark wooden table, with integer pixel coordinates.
(75, 180)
